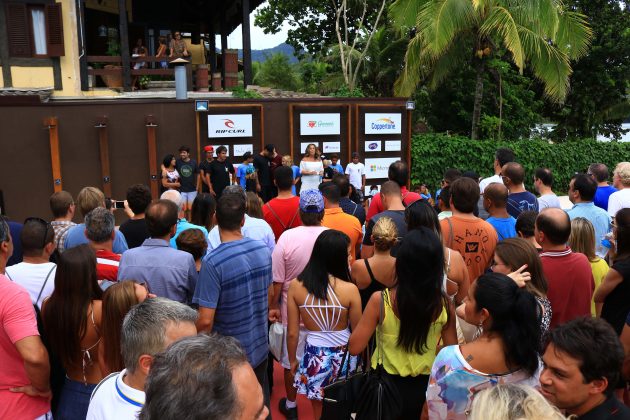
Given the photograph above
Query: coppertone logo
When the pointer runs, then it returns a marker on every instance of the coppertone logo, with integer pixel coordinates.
(384, 124)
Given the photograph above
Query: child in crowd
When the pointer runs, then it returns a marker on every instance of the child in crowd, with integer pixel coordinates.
(287, 160)
(246, 173)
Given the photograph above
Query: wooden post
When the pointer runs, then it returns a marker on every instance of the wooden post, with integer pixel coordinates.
(125, 56)
(224, 35)
(291, 130)
(198, 133)
(212, 56)
(154, 176)
(55, 160)
(247, 45)
(103, 144)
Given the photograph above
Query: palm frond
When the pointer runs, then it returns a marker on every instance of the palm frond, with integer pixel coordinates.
(441, 20)
(501, 23)
(574, 34)
(404, 13)
(415, 63)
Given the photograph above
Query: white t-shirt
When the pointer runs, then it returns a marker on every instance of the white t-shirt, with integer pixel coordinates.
(32, 278)
(253, 228)
(618, 200)
(548, 201)
(487, 181)
(113, 399)
(355, 172)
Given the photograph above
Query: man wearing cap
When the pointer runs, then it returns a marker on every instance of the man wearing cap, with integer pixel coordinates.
(204, 169)
(246, 173)
(289, 258)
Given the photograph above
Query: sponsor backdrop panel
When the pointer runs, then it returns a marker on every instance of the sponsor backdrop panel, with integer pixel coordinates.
(326, 126)
(376, 168)
(320, 124)
(383, 123)
(230, 125)
(237, 128)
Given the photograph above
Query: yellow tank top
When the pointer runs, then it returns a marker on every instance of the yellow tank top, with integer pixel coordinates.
(599, 268)
(395, 359)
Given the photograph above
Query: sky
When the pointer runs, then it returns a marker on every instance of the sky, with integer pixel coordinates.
(260, 40)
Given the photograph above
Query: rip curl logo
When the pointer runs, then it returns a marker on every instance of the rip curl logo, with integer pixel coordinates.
(384, 124)
(228, 123)
(231, 128)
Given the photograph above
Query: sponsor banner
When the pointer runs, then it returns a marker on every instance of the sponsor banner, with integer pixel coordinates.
(230, 125)
(383, 123)
(373, 145)
(393, 145)
(303, 147)
(215, 146)
(332, 147)
(377, 167)
(320, 124)
(240, 149)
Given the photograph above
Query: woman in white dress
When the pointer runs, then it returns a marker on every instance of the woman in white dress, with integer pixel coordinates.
(311, 168)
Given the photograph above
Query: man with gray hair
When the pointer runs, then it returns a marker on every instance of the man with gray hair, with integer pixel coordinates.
(621, 180)
(207, 375)
(100, 231)
(182, 223)
(148, 328)
(253, 227)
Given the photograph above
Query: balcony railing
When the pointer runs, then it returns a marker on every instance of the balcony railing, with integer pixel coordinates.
(112, 76)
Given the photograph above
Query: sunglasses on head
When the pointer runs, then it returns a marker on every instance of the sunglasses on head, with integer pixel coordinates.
(42, 222)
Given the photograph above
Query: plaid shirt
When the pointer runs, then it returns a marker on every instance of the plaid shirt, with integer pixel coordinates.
(61, 231)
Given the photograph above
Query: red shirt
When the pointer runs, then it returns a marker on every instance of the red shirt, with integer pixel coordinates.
(282, 214)
(570, 285)
(376, 205)
(107, 265)
(17, 321)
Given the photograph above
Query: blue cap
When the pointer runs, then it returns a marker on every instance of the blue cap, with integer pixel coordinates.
(311, 201)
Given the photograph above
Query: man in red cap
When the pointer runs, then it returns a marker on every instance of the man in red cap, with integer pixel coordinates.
(204, 169)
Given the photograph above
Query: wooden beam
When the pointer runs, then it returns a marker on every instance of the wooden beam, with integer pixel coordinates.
(224, 35)
(124, 44)
(212, 56)
(154, 176)
(55, 159)
(103, 145)
(247, 45)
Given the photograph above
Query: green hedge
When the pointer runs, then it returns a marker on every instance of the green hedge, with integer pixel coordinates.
(432, 154)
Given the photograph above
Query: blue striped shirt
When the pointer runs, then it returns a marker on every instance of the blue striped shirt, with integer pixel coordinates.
(234, 280)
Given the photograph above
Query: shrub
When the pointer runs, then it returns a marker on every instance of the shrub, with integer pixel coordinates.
(432, 154)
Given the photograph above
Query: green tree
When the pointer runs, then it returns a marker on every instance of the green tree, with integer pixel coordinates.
(598, 100)
(543, 34)
(276, 72)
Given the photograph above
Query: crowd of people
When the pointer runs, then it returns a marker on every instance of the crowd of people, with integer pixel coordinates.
(481, 301)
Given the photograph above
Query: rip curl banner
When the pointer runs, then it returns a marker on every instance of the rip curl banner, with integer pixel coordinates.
(230, 125)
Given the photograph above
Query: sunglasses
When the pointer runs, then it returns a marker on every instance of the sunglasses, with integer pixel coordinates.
(42, 222)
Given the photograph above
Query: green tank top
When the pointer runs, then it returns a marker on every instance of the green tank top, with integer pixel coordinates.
(395, 359)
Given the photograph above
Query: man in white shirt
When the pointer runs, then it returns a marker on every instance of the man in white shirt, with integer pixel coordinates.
(621, 180)
(543, 181)
(501, 157)
(356, 174)
(253, 228)
(36, 273)
(148, 329)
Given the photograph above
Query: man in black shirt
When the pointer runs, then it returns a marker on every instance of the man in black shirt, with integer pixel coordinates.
(189, 178)
(262, 163)
(582, 367)
(135, 229)
(394, 209)
(204, 169)
(220, 170)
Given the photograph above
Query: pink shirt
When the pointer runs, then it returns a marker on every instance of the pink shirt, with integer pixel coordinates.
(290, 256)
(17, 318)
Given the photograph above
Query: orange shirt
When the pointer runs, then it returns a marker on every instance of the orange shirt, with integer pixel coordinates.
(475, 239)
(335, 218)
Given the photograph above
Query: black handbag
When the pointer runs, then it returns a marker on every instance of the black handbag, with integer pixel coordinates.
(379, 398)
(341, 396)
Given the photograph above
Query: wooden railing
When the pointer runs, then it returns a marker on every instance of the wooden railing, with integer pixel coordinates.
(146, 71)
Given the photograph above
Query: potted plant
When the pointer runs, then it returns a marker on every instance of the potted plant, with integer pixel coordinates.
(113, 80)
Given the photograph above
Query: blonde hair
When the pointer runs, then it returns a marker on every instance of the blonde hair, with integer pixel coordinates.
(287, 160)
(384, 234)
(582, 238)
(623, 171)
(254, 205)
(326, 162)
(512, 402)
(90, 198)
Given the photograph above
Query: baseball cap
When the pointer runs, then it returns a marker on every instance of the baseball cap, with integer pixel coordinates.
(208, 149)
(247, 155)
(311, 201)
(355, 154)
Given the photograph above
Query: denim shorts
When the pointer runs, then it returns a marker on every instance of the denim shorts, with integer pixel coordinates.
(74, 400)
(189, 197)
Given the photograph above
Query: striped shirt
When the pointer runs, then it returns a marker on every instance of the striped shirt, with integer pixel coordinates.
(234, 280)
(107, 265)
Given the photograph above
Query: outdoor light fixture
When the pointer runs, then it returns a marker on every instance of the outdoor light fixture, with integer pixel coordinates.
(410, 105)
(102, 31)
(201, 106)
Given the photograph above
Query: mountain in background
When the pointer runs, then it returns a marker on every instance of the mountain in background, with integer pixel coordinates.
(259, 55)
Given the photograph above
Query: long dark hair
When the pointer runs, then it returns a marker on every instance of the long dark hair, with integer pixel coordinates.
(167, 161)
(329, 256)
(622, 235)
(517, 251)
(514, 318)
(117, 301)
(420, 213)
(203, 208)
(65, 312)
(419, 295)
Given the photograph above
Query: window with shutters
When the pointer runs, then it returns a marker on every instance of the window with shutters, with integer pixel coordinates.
(34, 30)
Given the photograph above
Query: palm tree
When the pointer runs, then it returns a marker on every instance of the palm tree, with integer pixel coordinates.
(541, 33)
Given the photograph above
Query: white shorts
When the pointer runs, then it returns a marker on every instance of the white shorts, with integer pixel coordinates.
(189, 197)
(284, 361)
